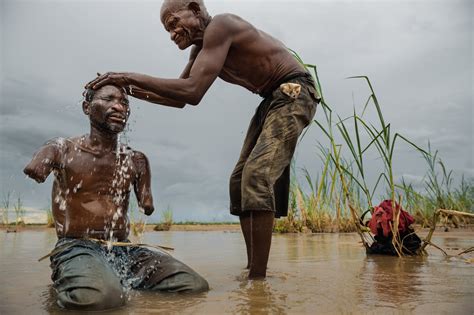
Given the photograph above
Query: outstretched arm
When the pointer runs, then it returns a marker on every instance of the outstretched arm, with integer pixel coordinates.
(203, 71)
(151, 97)
(142, 182)
(45, 160)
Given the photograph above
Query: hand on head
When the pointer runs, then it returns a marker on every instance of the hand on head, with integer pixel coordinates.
(119, 79)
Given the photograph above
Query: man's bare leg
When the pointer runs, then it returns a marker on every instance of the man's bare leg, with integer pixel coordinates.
(245, 226)
(261, 226)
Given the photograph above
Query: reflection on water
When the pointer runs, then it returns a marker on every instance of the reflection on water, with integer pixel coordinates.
(311, 274)
(385, 290)
(257, 297)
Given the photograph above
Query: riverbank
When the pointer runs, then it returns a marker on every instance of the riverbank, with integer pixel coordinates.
(149, 227)
(467, 231)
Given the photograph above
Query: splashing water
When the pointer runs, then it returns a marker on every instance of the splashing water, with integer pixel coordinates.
(118, 189)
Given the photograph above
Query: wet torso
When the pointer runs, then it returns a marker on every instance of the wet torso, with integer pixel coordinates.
(255, 59)
(91, 192)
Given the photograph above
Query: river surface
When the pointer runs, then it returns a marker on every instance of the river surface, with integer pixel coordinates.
(308, 274)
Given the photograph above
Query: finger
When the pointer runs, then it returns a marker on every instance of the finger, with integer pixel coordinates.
(104, 81)
(91, 84)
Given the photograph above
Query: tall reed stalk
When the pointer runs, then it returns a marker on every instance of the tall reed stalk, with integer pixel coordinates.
(19, 212)
(6, 206)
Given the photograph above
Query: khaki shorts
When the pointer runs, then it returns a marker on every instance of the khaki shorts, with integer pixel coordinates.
(260, 180)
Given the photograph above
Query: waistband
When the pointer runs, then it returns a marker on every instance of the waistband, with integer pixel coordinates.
(285, 79)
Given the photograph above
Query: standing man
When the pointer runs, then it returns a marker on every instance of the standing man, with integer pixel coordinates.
(229, 47)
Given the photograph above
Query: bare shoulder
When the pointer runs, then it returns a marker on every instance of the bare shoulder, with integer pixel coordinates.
(53, 149)
(57, 143)
(230, 22)
(46, 159)
(76, 140)
(73, 144)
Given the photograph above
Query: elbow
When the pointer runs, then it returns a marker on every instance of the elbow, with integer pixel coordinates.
(194, 100)
(195, 96)
(30, 172)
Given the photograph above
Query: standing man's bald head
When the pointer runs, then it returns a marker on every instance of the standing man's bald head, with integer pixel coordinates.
(172, 6)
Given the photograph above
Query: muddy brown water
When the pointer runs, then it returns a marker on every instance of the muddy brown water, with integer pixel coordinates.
(308, 274)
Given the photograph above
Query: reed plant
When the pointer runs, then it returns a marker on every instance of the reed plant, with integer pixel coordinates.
(292, 222)
(439, 193)
(49, 217)
(166, 220)
(6, 206)
(19, 212)
(137, 221)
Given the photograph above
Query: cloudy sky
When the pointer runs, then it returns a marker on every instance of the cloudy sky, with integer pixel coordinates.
(418, 55)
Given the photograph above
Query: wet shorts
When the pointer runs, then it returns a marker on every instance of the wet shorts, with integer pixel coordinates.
(88, 276)
(261, 178)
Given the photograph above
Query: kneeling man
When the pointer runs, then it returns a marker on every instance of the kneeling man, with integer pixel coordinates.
(91, 189)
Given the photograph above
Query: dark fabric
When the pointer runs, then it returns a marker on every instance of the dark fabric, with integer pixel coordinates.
(383, 244)
(260, 180)
(380, 223)
(88, 276)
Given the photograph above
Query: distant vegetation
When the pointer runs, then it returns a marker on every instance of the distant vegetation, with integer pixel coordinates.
(18, 209)
(166, 220)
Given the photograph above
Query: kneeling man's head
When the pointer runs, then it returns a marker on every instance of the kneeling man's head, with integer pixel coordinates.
(108, 108)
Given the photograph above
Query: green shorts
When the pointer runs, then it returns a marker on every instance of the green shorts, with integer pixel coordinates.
(260, 180)
(87, 276)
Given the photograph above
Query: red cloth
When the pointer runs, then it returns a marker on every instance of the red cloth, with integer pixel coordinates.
(383, 217)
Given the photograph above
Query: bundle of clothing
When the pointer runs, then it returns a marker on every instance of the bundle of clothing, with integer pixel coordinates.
(380, 225)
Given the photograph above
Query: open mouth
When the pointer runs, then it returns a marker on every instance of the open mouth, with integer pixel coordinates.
(117, 118)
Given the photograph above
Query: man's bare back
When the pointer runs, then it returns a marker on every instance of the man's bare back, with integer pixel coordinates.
(92, 183)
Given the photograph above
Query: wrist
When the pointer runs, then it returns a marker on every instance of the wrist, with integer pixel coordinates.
(130, 78)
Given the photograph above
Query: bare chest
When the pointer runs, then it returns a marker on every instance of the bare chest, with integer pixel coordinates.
(87, 173)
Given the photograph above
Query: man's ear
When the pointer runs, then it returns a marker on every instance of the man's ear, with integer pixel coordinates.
(194, 6)
(86, 107)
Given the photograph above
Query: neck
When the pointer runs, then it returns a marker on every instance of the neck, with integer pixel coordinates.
(102, 141)
(200, 33)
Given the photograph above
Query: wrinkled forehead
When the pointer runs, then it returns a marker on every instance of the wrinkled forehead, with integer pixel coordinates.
(168, 9)
(111, 90)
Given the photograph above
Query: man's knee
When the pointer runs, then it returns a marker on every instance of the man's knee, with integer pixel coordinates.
(183, 282)
(92, 298)
(86, 282)
(257, 187)
(198, 284)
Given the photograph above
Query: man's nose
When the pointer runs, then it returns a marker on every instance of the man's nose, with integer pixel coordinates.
(172, 35)
(119, 107)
